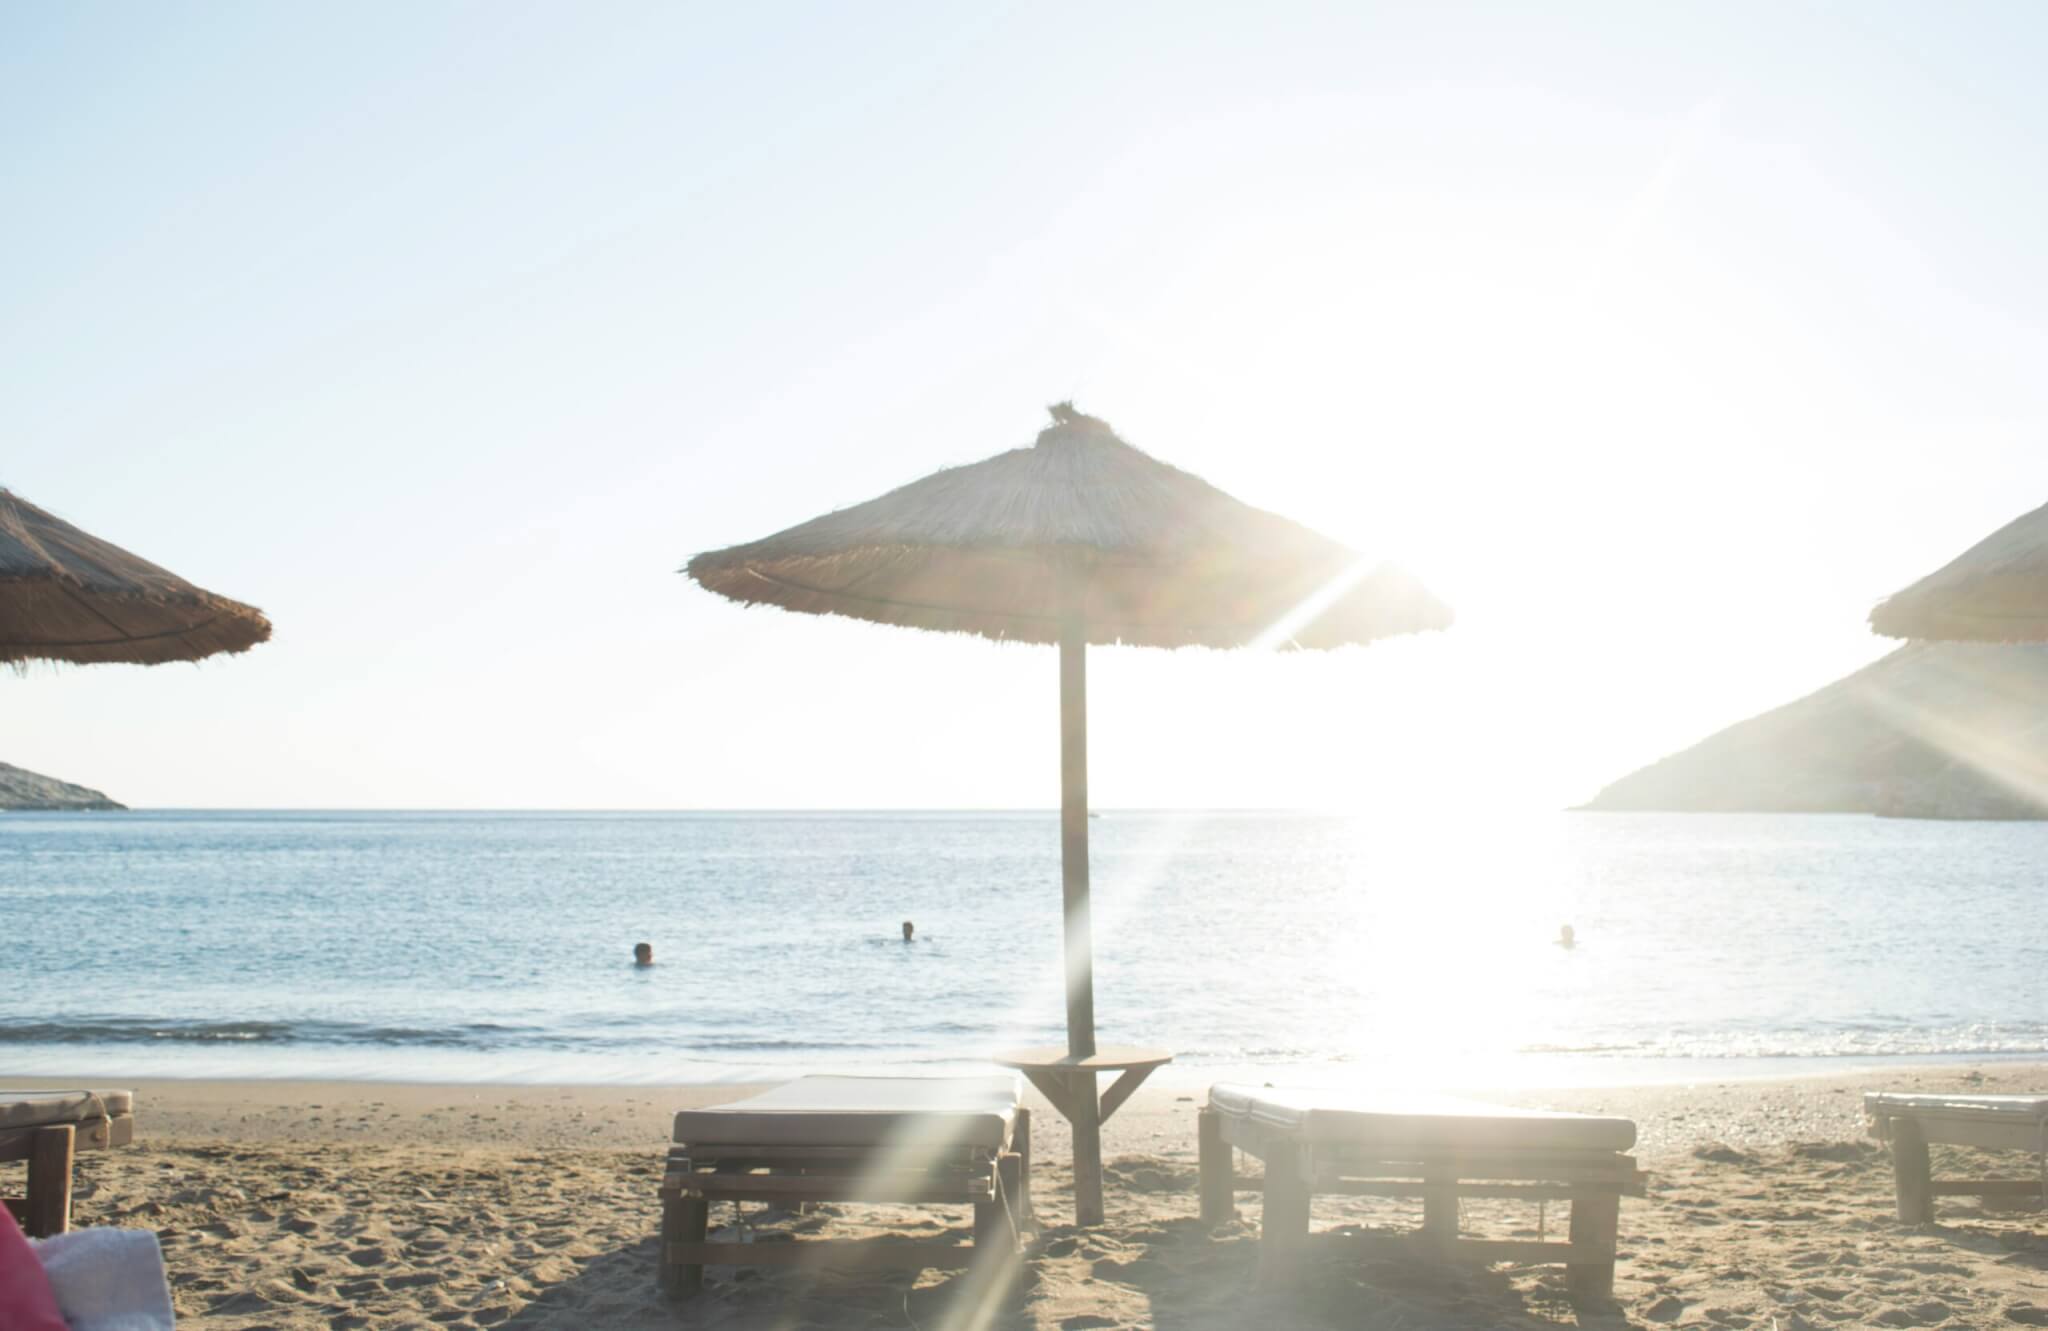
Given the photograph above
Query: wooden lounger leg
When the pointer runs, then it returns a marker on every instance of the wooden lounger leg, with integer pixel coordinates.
(1219, 1168)
(998, 1245)
(49, 1182)
(1596, 1223)
(989, 1224)
(1283, 1219)
(683, 1220)
(996, 1222)
(1020, 1141)
(1912, 1175)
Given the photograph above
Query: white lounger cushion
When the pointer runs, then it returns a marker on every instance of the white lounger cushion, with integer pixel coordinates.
(1401, 1121)
(1995, 1122)
(37, 1109)
(862, 1111)
(1892, 1104)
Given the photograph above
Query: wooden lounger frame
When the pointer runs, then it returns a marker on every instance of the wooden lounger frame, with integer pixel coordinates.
(45, 1209)
(1594, 1182)
(996, 1182)
(1910, 1131)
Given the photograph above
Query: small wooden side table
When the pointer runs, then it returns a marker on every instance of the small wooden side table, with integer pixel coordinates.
(1068, 1081)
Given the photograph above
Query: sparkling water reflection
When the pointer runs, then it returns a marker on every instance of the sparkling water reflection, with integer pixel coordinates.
(498, 946)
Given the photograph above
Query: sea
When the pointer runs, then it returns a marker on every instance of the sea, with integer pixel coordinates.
(497, 947)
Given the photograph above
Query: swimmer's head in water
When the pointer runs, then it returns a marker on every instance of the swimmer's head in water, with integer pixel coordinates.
(909, 931)
(643, 954)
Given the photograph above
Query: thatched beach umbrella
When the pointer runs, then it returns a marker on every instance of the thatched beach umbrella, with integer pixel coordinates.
(66, 595)
(1995, 591)
(1078, 539)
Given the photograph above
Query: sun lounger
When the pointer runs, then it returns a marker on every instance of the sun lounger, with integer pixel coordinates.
(45, 1128)
(1911, 1123)
(937, 1141)
(1350, 1143)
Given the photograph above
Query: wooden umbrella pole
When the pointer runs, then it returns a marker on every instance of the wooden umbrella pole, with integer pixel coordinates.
(1080, 949)
(1083, 1108)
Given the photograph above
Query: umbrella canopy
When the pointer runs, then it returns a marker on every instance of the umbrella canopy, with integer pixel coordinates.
(1996, 591)
(66, 595)
(1078, 528)
(1079, 538)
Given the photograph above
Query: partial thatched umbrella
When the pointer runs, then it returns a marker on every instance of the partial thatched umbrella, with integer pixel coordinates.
(69, 596)
(1078, 539)
(1995, 591)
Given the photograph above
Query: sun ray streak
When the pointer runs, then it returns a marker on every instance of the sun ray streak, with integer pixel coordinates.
(1994, 745)
(1136, 888)
(1281, 632)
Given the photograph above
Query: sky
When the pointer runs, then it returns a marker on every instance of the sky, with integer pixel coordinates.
(1661, 341)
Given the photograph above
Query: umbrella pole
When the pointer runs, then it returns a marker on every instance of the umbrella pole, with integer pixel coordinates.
(1079, 949)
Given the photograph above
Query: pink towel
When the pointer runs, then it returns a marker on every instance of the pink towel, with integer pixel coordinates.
(26, 1301)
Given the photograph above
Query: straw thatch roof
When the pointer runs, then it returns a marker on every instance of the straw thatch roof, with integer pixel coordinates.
(66, 595)
(1080, 523)
(1995, 591)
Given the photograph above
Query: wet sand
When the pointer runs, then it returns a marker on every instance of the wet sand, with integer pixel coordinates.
(341, 1205)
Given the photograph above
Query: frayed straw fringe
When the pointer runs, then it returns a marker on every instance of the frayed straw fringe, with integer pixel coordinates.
(1996, 591)
(68, 596)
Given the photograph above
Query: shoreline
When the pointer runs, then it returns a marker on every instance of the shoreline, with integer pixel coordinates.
(632, 1115)
(1467, 1075)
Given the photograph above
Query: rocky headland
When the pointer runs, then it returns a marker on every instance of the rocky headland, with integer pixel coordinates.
(23, 789)
(1934, 730)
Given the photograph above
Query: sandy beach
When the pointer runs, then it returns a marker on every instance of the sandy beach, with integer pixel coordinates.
(298, 1205)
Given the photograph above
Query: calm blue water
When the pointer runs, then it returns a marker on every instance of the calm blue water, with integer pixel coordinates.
(496, 946)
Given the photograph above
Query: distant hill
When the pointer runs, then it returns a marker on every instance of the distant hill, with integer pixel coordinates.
(22, 789)
(1934, 730)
